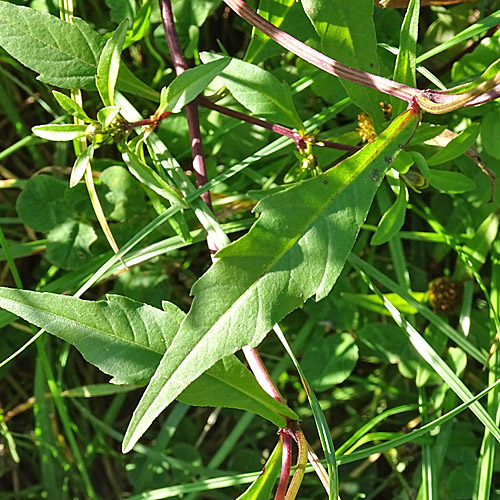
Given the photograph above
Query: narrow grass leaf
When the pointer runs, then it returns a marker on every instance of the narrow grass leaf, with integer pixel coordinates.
(437, 321)
(320, 420)
(261, 488)
(405, 70)
(438, 365)
(296, 249)
(109, 65)
(275, 12)
(126, 339)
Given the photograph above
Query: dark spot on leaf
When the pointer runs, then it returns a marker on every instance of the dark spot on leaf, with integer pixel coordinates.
(325, 182)
(388, 160)
(401, 146)
(375, 175)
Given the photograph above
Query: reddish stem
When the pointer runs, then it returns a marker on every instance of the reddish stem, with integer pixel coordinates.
(261, 374)
(180, 66)
(286, 464)
(298, 138)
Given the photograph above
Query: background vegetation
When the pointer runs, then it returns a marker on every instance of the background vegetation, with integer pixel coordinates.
(429, 244)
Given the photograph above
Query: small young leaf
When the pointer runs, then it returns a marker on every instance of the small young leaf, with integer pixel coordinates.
(188, 85)
(421, 163)
(60, 132)
(450, 182)
(71, 106)
(392, 221)
(296, 249)
(456, 147)
(109, 65)
(258, 90)
(105, 116)
(81, 164)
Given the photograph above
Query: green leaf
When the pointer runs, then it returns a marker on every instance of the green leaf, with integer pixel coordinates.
(106, 116)
(65, 55)
(456, 147)
(348, 35)
(121, 9)
(374, 303)
(80, 166)
(328, 361)
(296, 249)
(421, 163)
(148, 176)
(123, 189)
(261, 488)
(387, 342)
(47, 192)
(490, 132)
(392, 221)
(405, 70)
(450, 182)
(126, 340)
(258, 90)
(68, 244)
(192, 82)
(109, 65)
(71, 106)
(60, 132)
(275, 12)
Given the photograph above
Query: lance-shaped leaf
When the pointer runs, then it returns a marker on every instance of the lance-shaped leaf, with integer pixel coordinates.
(189, 84)
(258, 90)
(126, 339)
(60, 131)
(109, 65)
(296, 249)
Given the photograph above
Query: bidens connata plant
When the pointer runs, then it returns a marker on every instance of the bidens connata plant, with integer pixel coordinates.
(307, 223)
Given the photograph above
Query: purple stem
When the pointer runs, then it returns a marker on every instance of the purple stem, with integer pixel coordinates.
(320, 60)
(286, 464)
(180, 66)
(432, 101)
(199, 167)
(261, 374)
(297, 138)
